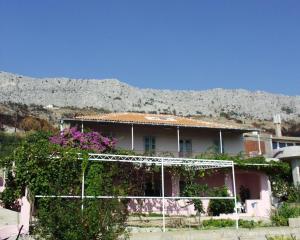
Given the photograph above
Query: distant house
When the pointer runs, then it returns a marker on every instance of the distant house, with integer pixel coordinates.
(168, 135)
(282, 148)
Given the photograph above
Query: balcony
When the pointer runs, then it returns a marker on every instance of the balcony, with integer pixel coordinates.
(287, 152)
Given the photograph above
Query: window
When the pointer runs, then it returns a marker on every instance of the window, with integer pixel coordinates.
(185, 148)
(281, 145)
(297, 144)
(149, 144)
(275, 145)
(290, 144)
(216, 146)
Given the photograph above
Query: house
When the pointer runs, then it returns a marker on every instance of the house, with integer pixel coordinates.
(168, 135)
(278, 147)
(164, 134)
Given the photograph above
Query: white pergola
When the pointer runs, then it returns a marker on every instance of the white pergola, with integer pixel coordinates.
(162, 162)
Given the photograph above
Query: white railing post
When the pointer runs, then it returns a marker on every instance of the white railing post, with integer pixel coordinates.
(82, 191)
(163, 194)
(234, 194)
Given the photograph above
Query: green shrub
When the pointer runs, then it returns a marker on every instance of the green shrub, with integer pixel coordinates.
(9, 196)
(248, 224)
(218, 206)
(294, 194)
(287, 109)
(64, 219)
(281, 216)
(8, 142)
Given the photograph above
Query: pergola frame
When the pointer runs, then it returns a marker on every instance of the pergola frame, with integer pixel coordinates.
(159, 161)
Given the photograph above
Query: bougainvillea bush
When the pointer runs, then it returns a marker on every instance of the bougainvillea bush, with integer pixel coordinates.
(72, 137)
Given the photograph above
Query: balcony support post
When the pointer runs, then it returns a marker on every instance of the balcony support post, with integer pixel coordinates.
(259, 144)
(221, 142)
(132, 138)
(61, 125)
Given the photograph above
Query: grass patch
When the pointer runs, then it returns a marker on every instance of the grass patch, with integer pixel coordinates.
(281, 237)
(223, 223)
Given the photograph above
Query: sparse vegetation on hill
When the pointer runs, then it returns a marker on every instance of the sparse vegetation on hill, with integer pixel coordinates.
(114, 95)
(35, 124)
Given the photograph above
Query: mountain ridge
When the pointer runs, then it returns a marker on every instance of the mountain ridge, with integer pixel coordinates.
(114, 95)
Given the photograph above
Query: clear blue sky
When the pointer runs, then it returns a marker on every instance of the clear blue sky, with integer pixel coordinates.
(188, 44)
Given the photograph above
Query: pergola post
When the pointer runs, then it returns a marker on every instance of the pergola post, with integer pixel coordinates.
(178, 141)
(163, 194)
(221, 142)
(234, 195)
(82, 126)
(82, 191)
(132, 138)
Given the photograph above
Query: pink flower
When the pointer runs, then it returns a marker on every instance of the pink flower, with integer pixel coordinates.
(87, 141)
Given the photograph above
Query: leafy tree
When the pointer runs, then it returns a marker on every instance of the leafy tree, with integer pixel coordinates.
(192, 188)
(196, 190)
(48, 168)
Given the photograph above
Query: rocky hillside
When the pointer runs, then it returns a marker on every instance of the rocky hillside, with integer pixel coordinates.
(113, 95)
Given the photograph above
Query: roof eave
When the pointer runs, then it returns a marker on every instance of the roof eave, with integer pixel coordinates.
(159, 124)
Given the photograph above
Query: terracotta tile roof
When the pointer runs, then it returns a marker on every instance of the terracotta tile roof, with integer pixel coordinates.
(157, 119)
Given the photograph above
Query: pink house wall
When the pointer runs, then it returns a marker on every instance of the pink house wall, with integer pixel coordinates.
(259, 205)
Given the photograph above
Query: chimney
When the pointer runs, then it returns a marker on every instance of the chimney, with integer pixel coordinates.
(277, 122)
